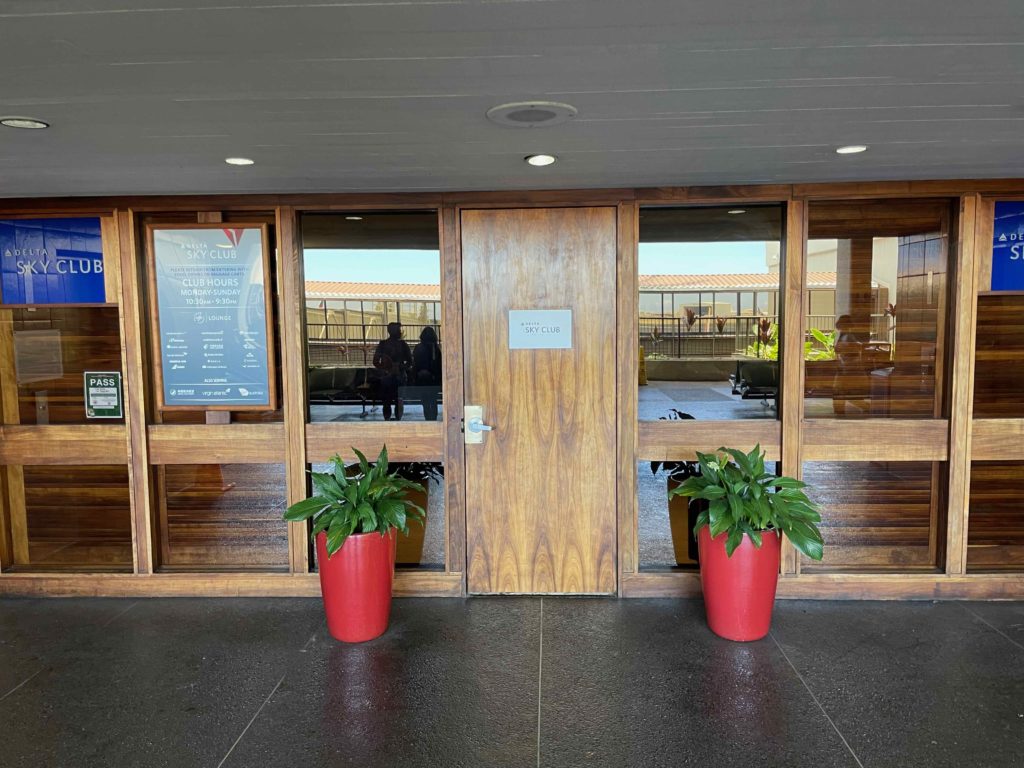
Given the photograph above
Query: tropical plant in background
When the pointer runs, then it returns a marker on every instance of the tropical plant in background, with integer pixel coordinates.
(691, 318)
(827, 350)
(766, 345)
(364, 498)
(720, 323)
(744, 499)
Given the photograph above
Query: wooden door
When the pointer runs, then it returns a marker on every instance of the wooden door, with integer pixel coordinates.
(540, 489)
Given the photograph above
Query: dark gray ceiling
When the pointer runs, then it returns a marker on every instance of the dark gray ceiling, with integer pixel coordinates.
(149, 96)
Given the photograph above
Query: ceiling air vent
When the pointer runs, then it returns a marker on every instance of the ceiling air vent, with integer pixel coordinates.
(531, 114)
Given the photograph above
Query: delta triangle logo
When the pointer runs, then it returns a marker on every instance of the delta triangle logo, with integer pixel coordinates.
(234, 235)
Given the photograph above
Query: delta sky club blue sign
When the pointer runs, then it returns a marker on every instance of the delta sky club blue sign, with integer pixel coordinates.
(51, 261)
(1008, 247)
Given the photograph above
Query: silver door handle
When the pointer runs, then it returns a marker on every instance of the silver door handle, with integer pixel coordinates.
(476, 424)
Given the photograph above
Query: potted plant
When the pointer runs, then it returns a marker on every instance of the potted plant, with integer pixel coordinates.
(354, 519)
(422, 473)
(739, 537)
(682, 512)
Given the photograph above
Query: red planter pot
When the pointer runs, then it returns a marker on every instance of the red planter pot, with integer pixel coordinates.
(356, 585)
(739, 591)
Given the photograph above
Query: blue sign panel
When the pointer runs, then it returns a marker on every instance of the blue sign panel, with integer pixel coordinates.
(1008, 247)
(212, 315)
(51, 261)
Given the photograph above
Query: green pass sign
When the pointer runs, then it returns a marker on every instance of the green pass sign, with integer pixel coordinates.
(103, 398)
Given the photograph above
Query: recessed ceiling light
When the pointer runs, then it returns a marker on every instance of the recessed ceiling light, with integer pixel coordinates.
(239, 161)
(23, 122)
(737, 211)
(353, 218)
(851, 149)
(540, 160)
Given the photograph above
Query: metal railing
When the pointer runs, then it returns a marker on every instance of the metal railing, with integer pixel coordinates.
(727, 336)
(351, 345)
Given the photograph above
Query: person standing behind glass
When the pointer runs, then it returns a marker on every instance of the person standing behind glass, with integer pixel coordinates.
(426, 371)
(393, 358)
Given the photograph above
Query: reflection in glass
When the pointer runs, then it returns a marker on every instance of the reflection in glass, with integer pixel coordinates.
(877, 308)
(995, 527)
(49, 349)
(664, 527)
(708, 304)
(222, 516)
(877, 515)
(999, 354)
(373, 311)
(424, 545)
(78, 517)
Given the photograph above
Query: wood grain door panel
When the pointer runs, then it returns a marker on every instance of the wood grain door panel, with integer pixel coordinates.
(540, 490)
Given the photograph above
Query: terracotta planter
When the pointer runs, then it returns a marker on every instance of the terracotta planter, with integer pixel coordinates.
(356, 585)
(739, 591)
(410, 546)
(682, 516)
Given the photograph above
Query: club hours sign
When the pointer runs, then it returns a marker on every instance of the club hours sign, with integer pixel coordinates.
(1008, 247)
(211, 324)
(52, 261)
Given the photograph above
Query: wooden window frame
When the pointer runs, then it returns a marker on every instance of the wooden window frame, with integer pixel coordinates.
(956, 439)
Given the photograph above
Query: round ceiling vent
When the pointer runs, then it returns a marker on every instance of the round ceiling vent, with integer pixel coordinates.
(531, 114)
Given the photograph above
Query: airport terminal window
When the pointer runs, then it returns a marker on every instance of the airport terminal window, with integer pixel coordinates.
(709, 311)
(878, 515)
(221, 517)
(999, 353)
(424, 545)
(995, 528)
(77, 518)
(877, 277)
(373, 316)
(50, 348)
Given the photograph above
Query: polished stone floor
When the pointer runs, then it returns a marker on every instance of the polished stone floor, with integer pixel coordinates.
(508, 682)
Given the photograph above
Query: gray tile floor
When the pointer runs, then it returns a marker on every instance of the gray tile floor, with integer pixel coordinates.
(508, 682)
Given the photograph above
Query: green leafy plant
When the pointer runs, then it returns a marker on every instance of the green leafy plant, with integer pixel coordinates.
(745, 499)
(363, 498)
(827, 350)
(766, 346)
(421, 472)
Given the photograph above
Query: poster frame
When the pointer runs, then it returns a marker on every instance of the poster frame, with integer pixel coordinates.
(153, 311)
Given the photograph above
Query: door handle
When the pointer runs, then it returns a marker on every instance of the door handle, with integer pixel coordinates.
(473, 419)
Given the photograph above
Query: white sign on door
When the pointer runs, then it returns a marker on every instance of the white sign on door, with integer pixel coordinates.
(540, 329)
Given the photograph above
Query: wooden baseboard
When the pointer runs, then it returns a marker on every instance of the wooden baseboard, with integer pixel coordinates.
(407, 584)
(848, 586)
(831, 586)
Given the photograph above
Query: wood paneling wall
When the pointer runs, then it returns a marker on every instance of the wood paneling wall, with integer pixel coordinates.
(143, 446)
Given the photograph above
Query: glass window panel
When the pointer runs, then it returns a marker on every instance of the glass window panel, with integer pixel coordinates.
(49, 348)
(710, 358)
(222, 517)
(878, 515)
(650, 304)
(77, 517)
(424, 545)
(746, 303)
(995, 529)
(876, 351)
(999, 355)
(391, 263)
(665, 526)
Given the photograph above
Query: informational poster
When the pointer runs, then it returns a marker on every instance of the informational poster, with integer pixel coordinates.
(104, 398)
(51, 261)
(211, 285)
(540, 329)
(1008, 247)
